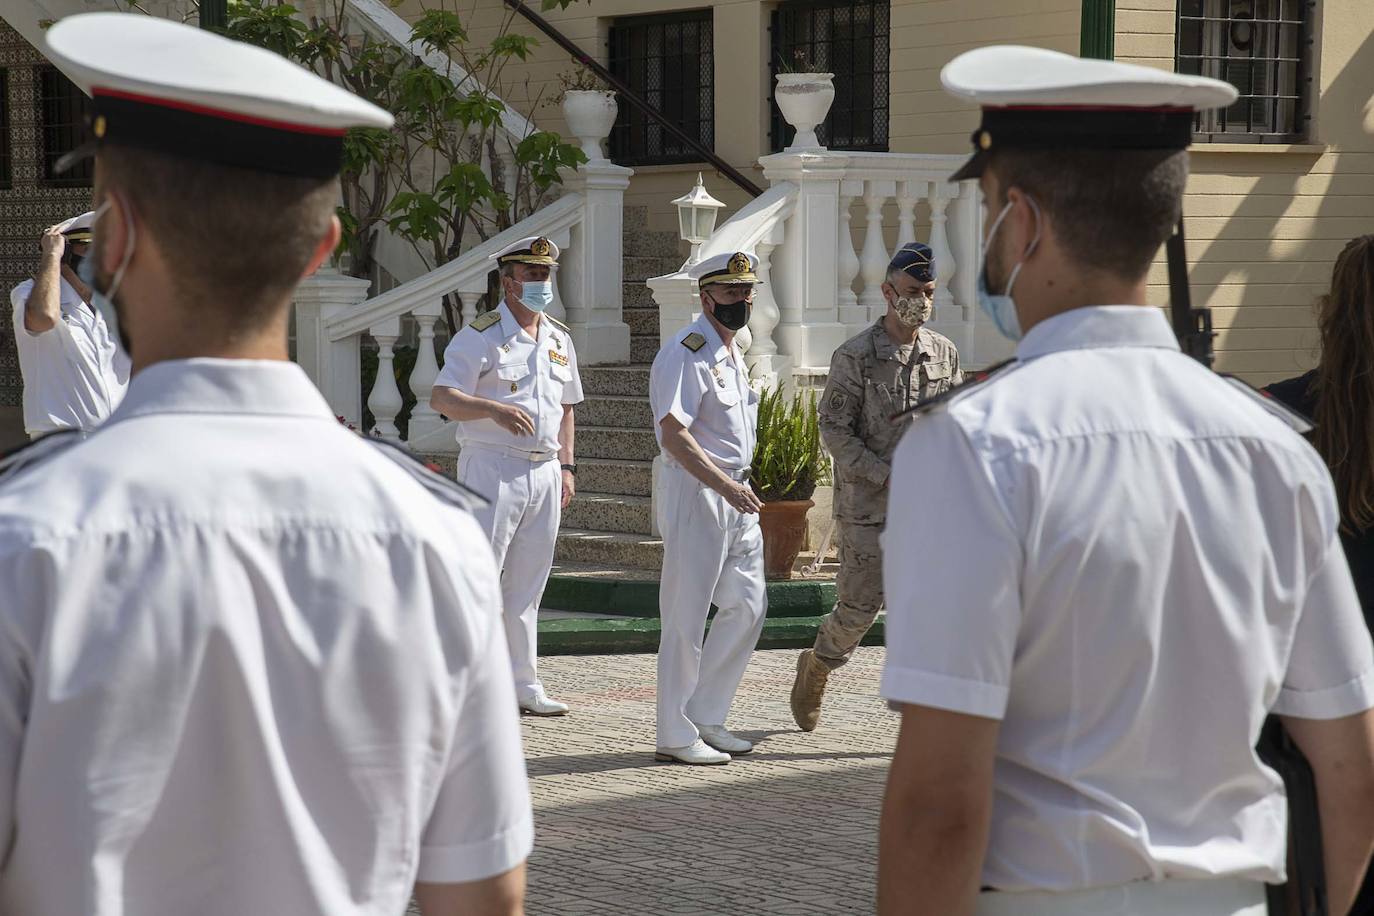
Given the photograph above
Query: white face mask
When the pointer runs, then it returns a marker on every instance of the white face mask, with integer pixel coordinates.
(536, 295)
(1000, 307)
(103, 300)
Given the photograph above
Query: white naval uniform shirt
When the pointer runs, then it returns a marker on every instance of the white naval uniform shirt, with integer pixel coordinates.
(248, 664)
(503, 363)
(74, 373)
(1136, 563)
(707, 391)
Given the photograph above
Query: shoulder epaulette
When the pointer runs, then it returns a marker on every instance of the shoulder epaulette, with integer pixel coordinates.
(975, 379)
(33, 453)
(485, 320)
(440, 486)
(694, 341)
(558, 324)
(1294, 420)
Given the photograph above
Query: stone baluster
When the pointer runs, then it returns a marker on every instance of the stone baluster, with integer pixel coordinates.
(424, 419)
(875, 257)
(946, 267)
(850, 312)
(766, 364)
(907, 198)
(385, 399)
(471, 298)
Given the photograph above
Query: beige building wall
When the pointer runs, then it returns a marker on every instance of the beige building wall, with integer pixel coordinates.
(1265, 223)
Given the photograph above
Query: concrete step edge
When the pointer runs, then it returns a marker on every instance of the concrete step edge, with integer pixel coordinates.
(580, 636)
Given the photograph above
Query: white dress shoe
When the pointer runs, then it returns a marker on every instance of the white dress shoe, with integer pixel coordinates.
(696, 754)
(540, 705)
(722, 740)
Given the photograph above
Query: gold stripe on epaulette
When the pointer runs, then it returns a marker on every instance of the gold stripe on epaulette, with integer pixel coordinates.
(694, 341)
(485, 320)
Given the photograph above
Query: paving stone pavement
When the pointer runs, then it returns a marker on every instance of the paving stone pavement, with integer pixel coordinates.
(790, 829)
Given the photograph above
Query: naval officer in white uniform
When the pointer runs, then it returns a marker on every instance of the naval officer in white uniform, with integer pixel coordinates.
(250, 662)
(74, 372)
(706, 420)
(1138, 559)
(510, 380)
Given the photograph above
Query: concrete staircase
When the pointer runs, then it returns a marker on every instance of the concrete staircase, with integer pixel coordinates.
(609, 524)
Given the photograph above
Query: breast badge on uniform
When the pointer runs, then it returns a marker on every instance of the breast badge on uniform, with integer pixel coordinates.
(694, 341)
(558, 359)
(715, 370)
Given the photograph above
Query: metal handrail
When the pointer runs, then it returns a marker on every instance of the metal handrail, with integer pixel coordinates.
(634, 98)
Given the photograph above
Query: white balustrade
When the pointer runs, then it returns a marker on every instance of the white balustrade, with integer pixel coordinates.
(850, 313)
(767, 366)
(946, 265)
(908, 196)
(876, 256)
(385, 401)
(424, 419)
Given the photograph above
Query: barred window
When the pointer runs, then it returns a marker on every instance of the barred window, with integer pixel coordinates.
(6, 172)
(848, 38)
(62, 112)
(1263, 48)
(669, 61)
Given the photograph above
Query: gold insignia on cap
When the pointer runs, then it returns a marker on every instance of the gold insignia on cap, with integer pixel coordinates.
(739, 263)
(540, 248)
(984, 140)
(98, 128)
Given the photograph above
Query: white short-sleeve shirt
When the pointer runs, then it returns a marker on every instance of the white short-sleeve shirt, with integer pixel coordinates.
(248, 664)
(503, 363)
(1134, 564)
(74, 373)
(704, 385)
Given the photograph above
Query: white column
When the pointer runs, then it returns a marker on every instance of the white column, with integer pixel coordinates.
(333, 365)
(592, 278)
(945, 266)
(907, 197)
(766, 364)
(677, 300)
(850, 312)
(875, 257)
(424, 419)
(385, 400)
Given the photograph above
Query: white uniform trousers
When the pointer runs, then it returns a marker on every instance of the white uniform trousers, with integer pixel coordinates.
(522, 522)
(1213, 897)
(712, 554)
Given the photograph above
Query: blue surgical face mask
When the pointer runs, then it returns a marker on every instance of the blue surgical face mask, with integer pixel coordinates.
(536, 295)
(103, 300)
(1001, 308)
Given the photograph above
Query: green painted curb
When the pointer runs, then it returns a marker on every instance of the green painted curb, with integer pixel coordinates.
(640, 634)
(632, 598)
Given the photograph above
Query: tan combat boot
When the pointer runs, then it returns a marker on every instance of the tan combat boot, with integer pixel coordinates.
(808, 689)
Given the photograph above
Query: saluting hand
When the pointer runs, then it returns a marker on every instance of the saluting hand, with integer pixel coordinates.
(512, 419)
(53, 242)
(743, 498)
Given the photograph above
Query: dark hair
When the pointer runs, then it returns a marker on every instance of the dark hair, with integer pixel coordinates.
(238, 240)
(1344, 386)
(1111, 209)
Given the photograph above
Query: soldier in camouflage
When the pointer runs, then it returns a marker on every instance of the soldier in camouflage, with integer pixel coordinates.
(891, 366)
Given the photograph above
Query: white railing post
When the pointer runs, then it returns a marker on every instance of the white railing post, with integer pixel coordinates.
(424, 419)
(906, 211)
(592, 277)
(875, 256)
(385, 399)
(766, 364)
(850, 312)
(946, 268)
(333, 365)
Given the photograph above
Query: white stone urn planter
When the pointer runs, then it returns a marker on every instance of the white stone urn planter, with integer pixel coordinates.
(590, 114)
(805, 100)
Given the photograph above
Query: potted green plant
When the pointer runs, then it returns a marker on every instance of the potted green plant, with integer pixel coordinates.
(788, 464)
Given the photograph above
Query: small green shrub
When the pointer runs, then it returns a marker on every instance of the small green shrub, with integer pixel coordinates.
(788, 460)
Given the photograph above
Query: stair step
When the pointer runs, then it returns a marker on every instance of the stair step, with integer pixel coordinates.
(603, 410)
(643, 349)
(621, 381)
(605, 548)
(637, 296)
(641, 269)
(635, 219)
(652, 243)
(616, 442)
(582, 636)
(609, 512)
(604, 475)
(643, 322)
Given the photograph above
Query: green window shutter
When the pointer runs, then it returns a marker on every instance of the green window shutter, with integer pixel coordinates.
(1097, 36)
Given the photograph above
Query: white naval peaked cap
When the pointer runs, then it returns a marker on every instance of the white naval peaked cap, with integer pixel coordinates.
(730, 267)
(170, 88)
(78, 228)
(1034, 98)
(534, 249)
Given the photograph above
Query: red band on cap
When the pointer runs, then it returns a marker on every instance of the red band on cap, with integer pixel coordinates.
(221, 114)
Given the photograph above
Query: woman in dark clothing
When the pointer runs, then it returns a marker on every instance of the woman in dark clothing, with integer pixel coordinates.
(1338, 396)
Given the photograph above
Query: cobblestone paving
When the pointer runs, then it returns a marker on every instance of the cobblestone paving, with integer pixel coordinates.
(789, 829)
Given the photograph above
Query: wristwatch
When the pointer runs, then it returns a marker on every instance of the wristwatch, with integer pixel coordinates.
(570, 468)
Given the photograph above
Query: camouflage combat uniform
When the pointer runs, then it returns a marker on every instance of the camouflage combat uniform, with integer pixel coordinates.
(871, 378)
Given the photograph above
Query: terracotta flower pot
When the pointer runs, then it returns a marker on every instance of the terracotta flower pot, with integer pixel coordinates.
(784, 532)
